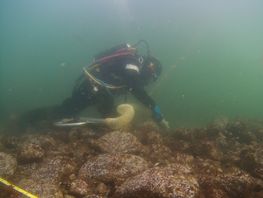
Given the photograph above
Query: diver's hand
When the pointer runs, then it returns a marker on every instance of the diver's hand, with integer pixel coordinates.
(157, 115)
(165, 124)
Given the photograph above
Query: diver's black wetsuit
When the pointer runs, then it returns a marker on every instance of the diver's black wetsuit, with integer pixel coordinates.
(127, 71)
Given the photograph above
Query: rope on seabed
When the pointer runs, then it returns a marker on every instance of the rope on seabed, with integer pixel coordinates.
(18, 189)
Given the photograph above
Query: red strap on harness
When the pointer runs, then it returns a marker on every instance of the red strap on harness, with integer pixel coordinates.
(118, 53)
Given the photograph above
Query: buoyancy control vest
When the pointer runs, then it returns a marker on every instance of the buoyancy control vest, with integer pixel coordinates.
(118, 51)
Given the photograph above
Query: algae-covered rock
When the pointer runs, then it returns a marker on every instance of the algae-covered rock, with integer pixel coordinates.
(251, 160)
(231, 182)
(8, 164)
(29, 152)
(10, 142)
(32, 148)
(240, 131)
(184, 159)
(41, 189)
(159, 153)
(44, 141)
(54, 169)
(236, 182)
(149, 133)
(46, 179)
(206, 148)
(112, 167)
(220, 160)
(119, 142)
(160, 182)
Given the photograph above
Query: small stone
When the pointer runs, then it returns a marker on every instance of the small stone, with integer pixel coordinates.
(102, 189)
(72, 177)
(79, 188)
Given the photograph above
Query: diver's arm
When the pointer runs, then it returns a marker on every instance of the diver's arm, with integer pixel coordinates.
(143, 97)
(136, 87)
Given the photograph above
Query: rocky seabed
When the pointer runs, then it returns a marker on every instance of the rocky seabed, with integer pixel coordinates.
(222, 160)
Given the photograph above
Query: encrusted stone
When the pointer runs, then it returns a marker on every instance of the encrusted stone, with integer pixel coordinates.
(112, 167)
(30, 152)
(160, 182)
(41, 189)
(119, 142)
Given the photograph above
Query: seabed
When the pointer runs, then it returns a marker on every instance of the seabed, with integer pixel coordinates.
(223, 159)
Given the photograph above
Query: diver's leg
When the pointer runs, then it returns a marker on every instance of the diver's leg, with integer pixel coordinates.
(36, 116)
(80, 99)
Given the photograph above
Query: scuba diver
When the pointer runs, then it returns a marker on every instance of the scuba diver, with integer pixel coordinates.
(116, 71)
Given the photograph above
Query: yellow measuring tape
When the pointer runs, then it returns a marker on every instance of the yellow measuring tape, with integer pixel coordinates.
(16, 188)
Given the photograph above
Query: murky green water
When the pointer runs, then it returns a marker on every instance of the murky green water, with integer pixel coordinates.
(212, 52)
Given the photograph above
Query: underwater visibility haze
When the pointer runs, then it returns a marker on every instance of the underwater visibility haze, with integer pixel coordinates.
(210, 92)
(211, 51)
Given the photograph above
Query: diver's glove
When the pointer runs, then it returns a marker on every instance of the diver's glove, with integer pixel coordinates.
(158, 117)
